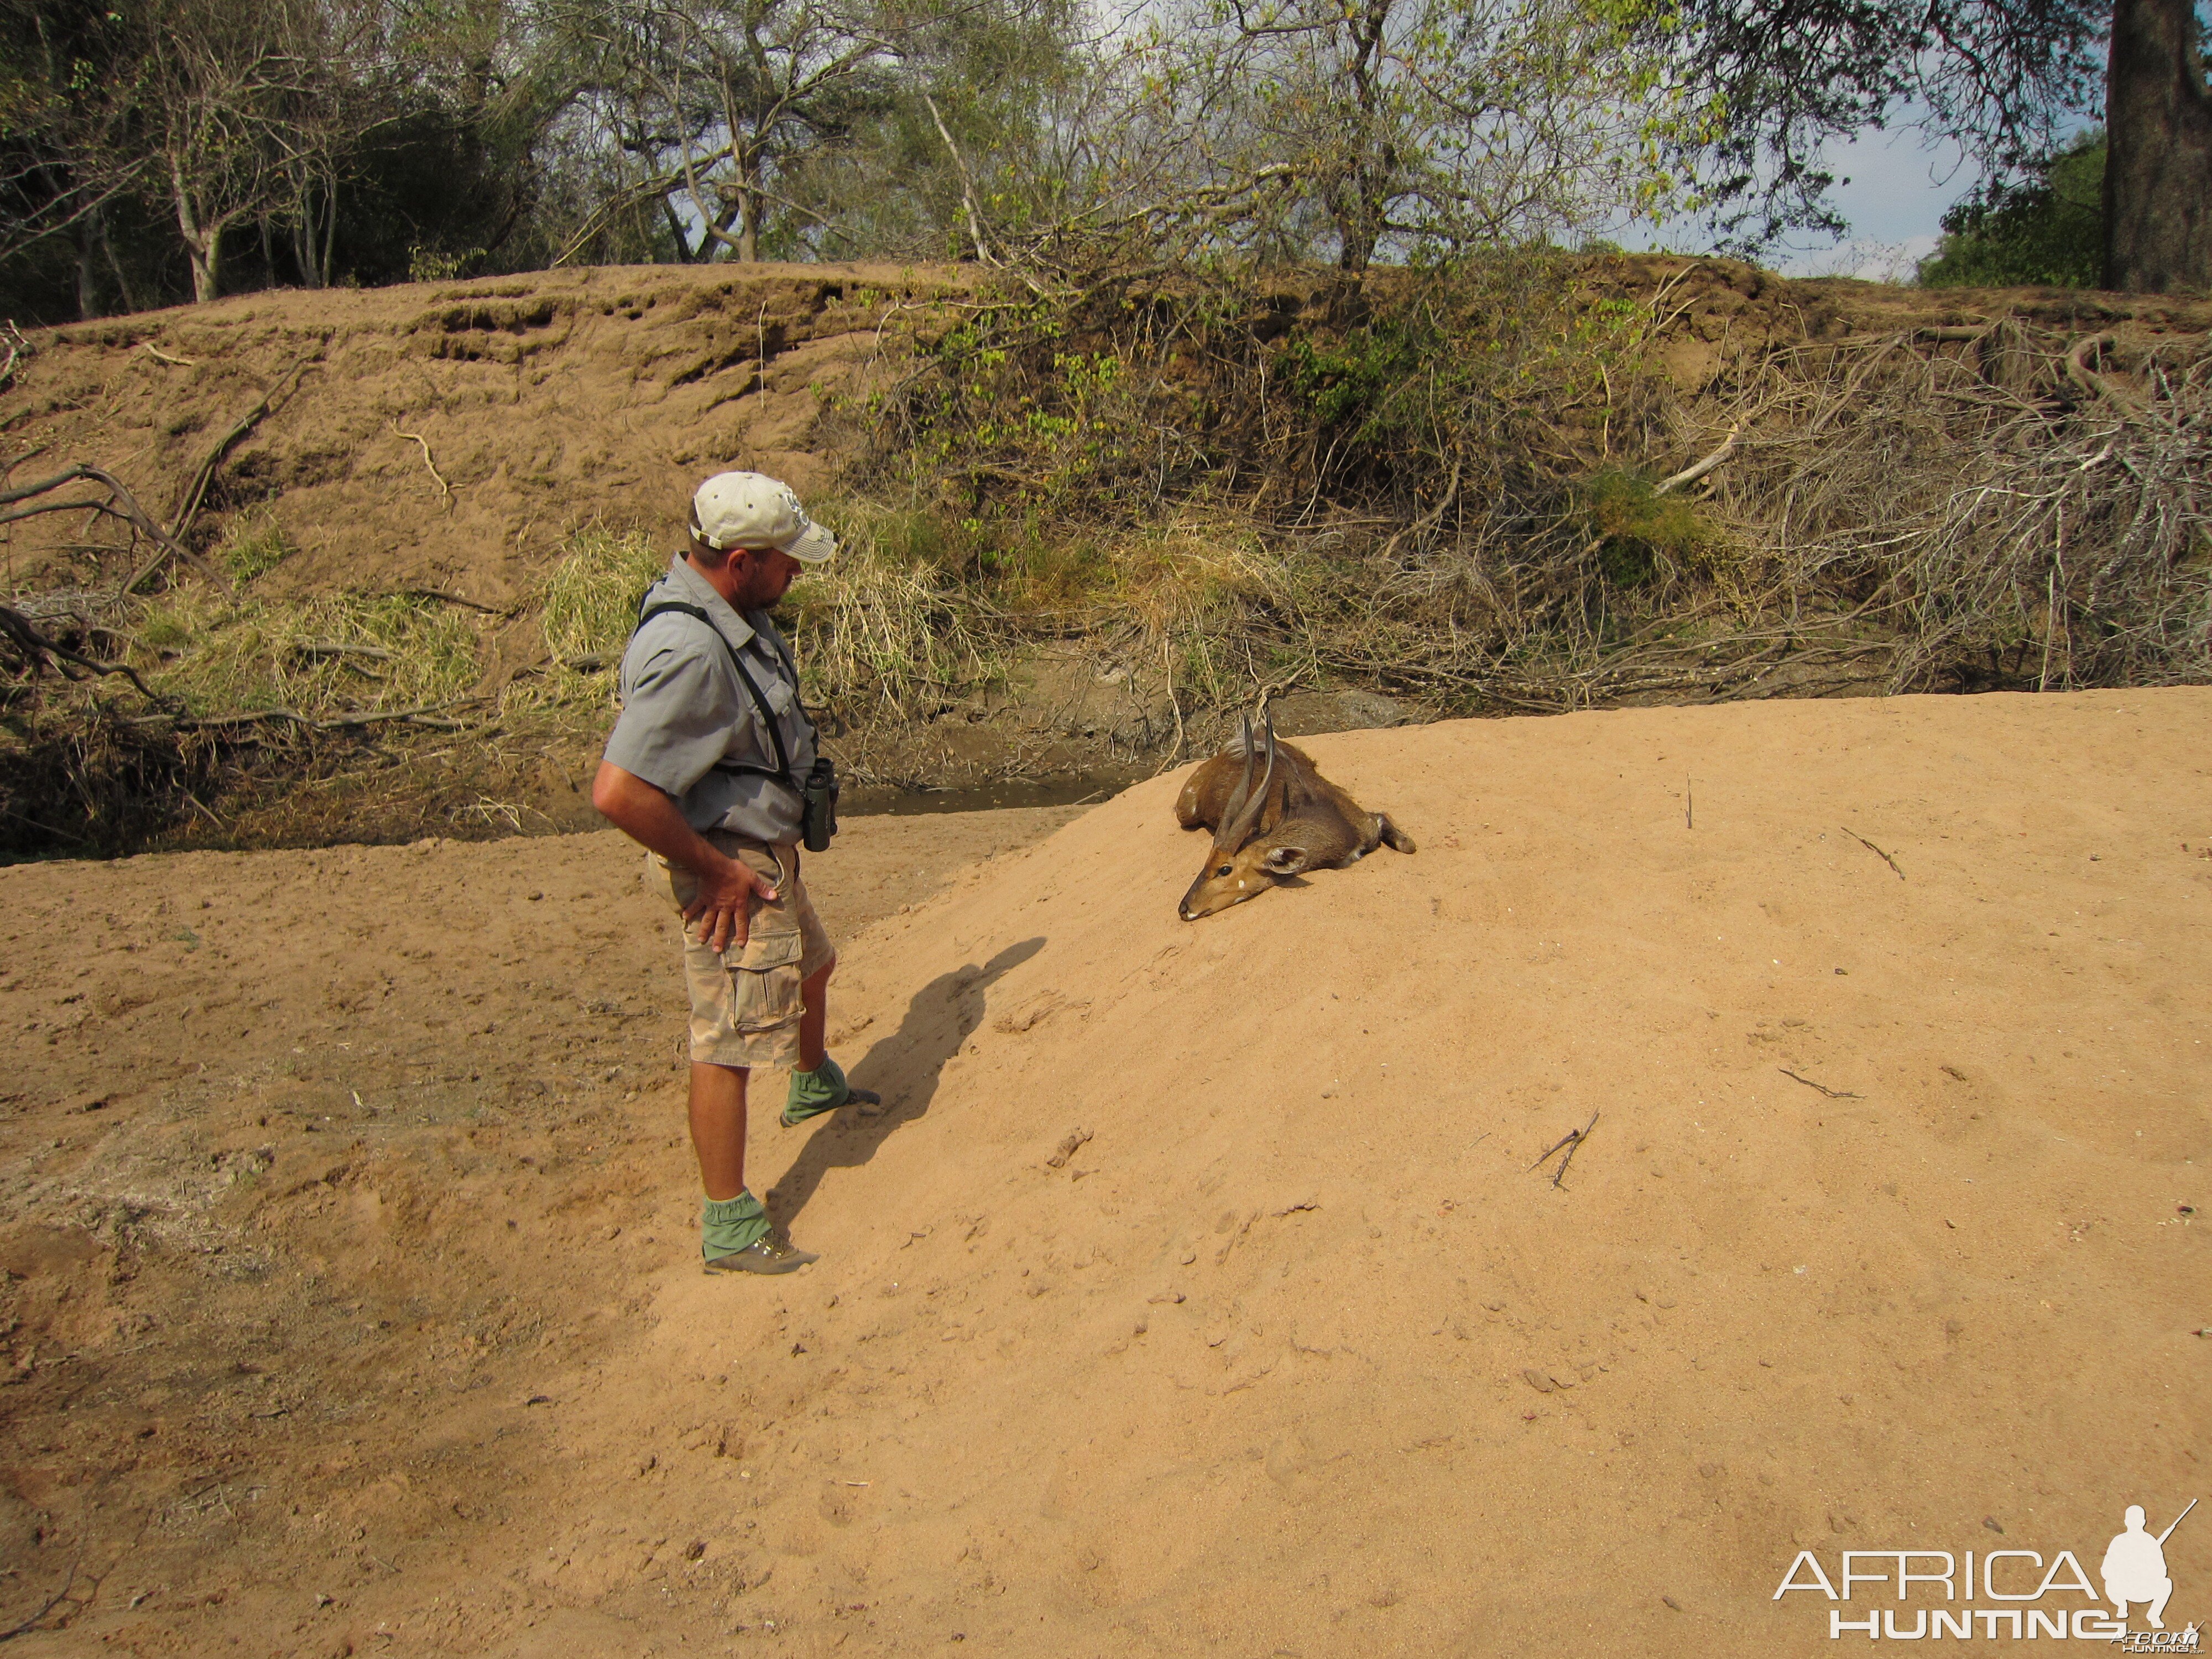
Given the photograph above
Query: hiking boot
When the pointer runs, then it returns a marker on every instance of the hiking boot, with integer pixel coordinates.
(770, 1255)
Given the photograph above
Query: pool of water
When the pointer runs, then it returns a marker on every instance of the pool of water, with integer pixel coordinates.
(1076, 789)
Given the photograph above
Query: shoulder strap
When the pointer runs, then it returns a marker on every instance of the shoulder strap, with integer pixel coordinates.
(781, 773)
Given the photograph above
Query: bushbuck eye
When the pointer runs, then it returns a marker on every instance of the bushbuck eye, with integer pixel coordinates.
(1225, 870)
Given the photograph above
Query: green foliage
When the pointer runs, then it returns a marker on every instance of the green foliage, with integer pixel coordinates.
(2047, 231)
(255, 546)
(1124, 404)
(426, 265)
(1640, 534)
(1353, 383)
(164, 631)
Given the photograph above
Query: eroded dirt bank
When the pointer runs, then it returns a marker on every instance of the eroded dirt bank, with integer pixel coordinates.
(352, 1298)
(446, 435)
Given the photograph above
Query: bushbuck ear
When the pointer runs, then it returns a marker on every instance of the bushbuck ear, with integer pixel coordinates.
(1284, 861)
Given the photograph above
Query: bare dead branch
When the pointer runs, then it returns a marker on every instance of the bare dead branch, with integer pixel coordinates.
(195, 492)
(35, 647)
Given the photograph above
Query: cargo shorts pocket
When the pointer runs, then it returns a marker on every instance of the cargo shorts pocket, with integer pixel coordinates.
(765, 982)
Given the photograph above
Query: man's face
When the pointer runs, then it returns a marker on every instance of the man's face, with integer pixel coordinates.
(765, 575)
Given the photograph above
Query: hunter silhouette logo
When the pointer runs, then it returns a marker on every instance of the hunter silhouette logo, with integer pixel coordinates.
(2030, 1594)
(2135, 1567)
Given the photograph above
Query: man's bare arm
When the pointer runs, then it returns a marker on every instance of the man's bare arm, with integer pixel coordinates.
(648, 816)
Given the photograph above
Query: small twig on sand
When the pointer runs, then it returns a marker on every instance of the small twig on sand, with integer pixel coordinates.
(52, 1601)
(433, 595)
(1167, 669)
(445, 490)
(162, 356)
(1571, 1140)
(1832, 1094)
(1874, 849)
(1689, 805)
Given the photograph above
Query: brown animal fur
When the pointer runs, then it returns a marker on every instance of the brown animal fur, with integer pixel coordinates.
(1300, 821)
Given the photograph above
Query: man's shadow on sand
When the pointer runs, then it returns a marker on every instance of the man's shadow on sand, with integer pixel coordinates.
(903, 1068)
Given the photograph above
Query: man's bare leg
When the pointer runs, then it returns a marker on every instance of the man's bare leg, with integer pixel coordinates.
(814, 1024)
(718, 1127)
(733, 1236)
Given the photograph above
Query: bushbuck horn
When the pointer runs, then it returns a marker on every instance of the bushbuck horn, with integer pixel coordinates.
(1247, 818)
(1233, 808)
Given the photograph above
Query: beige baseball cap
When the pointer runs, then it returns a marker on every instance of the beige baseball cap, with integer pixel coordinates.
(751, 509)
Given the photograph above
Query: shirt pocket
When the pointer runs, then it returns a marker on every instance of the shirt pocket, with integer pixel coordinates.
(781, 697)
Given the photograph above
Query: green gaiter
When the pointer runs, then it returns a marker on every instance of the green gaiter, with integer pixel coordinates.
(813, 1093)
(727, 1225)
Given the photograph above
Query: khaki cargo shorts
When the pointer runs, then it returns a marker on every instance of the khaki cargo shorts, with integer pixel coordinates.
(746, 1006)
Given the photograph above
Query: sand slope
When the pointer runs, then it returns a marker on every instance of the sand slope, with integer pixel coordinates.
(1412, 1397)
(1295, 1354)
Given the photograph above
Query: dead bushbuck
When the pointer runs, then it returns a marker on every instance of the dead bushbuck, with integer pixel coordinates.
(1292, 820)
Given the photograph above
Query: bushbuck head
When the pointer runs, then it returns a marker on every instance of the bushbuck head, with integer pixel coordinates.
(1244, 863)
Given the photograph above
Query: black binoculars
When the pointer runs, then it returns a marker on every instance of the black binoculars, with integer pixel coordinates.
(819, 821)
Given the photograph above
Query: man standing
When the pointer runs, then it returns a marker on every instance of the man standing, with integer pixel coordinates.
(703, 770)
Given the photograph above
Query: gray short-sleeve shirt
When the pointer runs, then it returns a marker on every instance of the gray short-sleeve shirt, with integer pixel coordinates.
(683, 709)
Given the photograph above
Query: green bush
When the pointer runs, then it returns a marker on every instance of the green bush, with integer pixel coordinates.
(2046, 232)
(1640, 534)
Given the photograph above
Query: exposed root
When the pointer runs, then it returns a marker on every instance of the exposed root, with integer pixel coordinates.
(445, 490)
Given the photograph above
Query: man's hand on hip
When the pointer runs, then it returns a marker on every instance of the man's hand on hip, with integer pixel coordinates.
(648, 816)
(723, 909)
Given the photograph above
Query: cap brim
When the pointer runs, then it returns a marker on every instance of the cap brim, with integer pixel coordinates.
(814, 544)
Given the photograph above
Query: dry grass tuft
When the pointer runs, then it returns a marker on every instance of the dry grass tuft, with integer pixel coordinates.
(586, 609)
(589, 604)
(883, 631)
(331, 654)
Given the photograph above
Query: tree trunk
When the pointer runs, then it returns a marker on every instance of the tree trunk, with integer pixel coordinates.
(206, 253)
(749, 177)
(2158, 168)
(679, 235)
(88, 284)
(308, 249)
(202, 243)
(123, 283)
